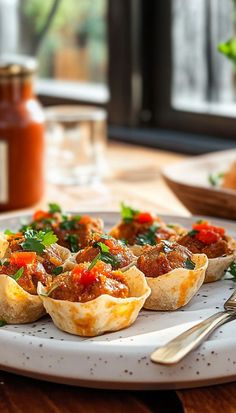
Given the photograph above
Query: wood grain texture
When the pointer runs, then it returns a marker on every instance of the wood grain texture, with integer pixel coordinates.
(133, 176)
(220, 399)
(23, 395)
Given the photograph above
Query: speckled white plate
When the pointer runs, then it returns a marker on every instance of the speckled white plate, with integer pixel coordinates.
(121, 360)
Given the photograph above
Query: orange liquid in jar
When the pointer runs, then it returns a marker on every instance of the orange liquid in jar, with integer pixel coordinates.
(21, 143)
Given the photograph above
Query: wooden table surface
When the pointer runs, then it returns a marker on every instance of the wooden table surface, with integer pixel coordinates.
(133, 176)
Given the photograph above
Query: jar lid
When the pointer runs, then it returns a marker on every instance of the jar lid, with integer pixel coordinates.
(16, 65)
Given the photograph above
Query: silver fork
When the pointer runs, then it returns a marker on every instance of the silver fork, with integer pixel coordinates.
(179, 347)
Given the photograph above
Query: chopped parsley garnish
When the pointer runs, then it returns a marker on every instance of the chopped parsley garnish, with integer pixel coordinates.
(54, 208)
(189, 264)
(128, 213)
(215, 178)
(148, 237)
(173, 226)
(167, 247)
(9, 232)
(232, 270)
(26, 227)
(73, 241)
(18, 274)
(57, 270)
(70, 223)
(104, 255)
(3, 323)
(38, 240)
(192, 233)
(123, 242)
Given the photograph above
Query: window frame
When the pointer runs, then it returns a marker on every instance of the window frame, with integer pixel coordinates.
(155, 114)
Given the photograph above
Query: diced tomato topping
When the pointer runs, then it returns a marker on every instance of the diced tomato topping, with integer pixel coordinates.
(40, 215)
(207, 236)
(85, 219)
(144, 217)
(22, 259)
(86, 277)
(207, 226)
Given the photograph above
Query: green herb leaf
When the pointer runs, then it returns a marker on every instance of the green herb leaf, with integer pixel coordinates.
(3, 323)
(57, 270)
(128, 213)
(189, 264)
(192, 233)
(228, 49)
(38, 240)
(48, 238)
(54, 208)
(103, 247)
(25, 227)
(215, 178)
(232, 270)
(9, 232)
(148, 237)
(94, 262)
(18, 274)
(104, 255)
(70, 223)
(73, 241)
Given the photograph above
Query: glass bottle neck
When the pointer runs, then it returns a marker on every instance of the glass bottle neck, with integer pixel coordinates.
(16, 89)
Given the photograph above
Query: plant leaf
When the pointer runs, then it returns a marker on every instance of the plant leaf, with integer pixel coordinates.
(18, 274)
(189, 264)
(128, 213)
(54, 208)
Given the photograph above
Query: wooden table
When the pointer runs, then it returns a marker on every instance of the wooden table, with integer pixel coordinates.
(133, 176)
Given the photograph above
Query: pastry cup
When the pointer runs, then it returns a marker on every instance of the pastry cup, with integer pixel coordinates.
(16, 305)
(217, 267)
(176, 288)
(3, 245)
(103, 314)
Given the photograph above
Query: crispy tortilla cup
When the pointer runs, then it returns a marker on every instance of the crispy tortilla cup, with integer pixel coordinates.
(104, 313)
(176, 288)
(16, 305)
(3, 245)
(217, 267)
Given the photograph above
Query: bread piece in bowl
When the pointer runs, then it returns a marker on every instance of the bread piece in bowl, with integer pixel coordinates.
(89, 301)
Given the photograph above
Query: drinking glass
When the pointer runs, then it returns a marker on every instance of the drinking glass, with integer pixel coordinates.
(76, 143)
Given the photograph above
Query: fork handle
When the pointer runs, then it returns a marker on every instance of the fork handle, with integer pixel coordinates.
(180, 346)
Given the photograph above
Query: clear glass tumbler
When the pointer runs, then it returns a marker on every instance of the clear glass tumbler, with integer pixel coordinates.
(76, 143)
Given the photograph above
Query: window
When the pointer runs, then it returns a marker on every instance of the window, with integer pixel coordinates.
(174, 90)
(202, 78)
(67, 36)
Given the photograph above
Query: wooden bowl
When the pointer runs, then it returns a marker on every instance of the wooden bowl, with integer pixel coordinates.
(189, 180)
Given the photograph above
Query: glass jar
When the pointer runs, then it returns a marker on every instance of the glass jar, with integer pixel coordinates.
(21, 135)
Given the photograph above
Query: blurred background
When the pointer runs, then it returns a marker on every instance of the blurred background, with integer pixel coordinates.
(154, 65)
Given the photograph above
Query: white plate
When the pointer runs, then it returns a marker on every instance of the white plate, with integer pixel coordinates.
(121, 360)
